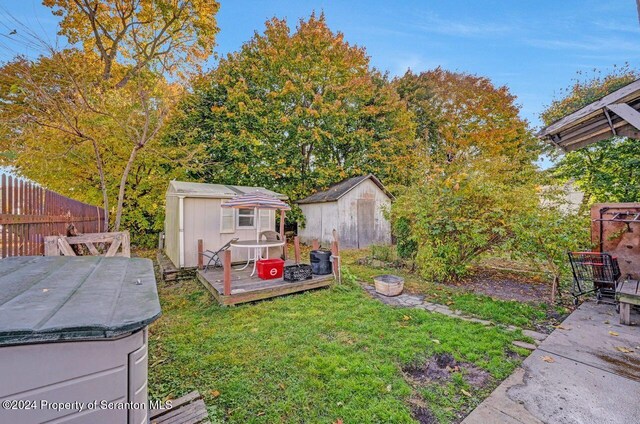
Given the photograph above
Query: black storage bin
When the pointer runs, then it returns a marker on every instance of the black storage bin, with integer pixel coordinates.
(320, 262)
(298, 272)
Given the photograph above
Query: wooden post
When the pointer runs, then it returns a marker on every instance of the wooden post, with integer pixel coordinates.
(296, 248)
(227, 272)
(625, 313)
(282, 237)
(51, 246)
(336, 259)
(282, 224)
(200, 251)
(315, 245)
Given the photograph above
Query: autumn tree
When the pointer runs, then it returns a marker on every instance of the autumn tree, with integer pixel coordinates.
(462, 116)
(607, 171)
(476, 171)
(297, 111)
(586, 89)
(91, 109)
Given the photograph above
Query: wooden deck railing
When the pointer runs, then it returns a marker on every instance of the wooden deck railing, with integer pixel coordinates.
(30, 213)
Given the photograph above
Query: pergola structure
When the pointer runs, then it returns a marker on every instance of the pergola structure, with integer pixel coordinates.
(613, 115)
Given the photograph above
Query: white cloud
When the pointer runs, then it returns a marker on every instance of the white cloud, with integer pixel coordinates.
(455, 27)
(592, 44)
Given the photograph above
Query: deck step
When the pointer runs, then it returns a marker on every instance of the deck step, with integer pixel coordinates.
(189, 409)
(168, 270)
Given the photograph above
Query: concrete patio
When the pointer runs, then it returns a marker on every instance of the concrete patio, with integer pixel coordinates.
(586, 371)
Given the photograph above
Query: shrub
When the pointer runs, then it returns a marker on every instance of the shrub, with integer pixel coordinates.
(382, 253)
(460, 212)
(406, 246)
(545, 234)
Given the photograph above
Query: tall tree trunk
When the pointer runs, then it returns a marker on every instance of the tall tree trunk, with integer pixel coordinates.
(103, 183)
(123, 184)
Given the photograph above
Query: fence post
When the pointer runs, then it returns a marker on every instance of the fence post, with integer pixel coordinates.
(51, 246)
(296, 248)
(200, 251)
(335, 252)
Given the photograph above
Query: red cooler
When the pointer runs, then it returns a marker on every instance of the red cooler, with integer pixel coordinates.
(270, 268)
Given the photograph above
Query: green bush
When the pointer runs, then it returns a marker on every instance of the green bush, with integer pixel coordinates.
(545, 234)
(406, 246)
(382, 253)
(460, 212)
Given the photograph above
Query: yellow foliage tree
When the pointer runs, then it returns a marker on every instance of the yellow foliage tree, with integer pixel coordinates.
(87, 112)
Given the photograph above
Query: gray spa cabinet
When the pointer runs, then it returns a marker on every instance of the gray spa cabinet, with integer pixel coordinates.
(74, 329)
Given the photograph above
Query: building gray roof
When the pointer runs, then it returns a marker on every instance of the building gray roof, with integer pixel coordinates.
(338, 190)
(215, 191)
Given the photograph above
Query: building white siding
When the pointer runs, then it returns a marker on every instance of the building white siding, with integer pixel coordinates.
(202, 222)
(171, 229)
(202, 214)
(321, 219)
(351, 228)
(344, 216)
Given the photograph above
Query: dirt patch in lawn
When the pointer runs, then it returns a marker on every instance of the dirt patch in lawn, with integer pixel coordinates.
(423, 415)
(506, 285)
(439, 368)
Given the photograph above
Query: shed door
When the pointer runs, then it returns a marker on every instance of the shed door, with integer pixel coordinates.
(366, 222)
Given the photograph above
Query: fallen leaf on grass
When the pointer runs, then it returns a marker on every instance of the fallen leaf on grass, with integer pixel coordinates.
(215, 393)
(624, 349)
(406, 318)
(548, 359)
(436, 341)
(338, 421)
(464, 392)
(613, 333)
(281, 386)
(388, 387)
(259, 414)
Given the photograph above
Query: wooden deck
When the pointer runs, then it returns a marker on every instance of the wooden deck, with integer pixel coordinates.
(245, 288)
(189, 409)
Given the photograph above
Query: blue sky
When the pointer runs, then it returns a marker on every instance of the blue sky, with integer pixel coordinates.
(535, 47)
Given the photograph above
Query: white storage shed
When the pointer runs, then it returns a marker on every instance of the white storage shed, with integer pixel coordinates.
(194, 212)
(355, 208)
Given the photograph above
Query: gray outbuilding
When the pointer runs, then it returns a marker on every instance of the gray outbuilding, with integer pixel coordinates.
(194, 212)
(355, 208)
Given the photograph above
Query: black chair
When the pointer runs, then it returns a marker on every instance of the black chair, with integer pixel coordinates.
(215, 256)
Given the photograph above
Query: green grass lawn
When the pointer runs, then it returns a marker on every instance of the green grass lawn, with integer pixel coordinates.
(505, 312)
(327, 356)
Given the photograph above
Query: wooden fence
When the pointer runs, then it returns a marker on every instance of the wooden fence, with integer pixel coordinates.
(29, 213)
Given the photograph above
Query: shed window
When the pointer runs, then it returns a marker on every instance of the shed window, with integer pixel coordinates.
(265, 220)
(246, 218)
(226, 220)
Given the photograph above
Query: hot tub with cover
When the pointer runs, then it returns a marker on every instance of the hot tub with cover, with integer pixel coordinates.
(73, 338)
